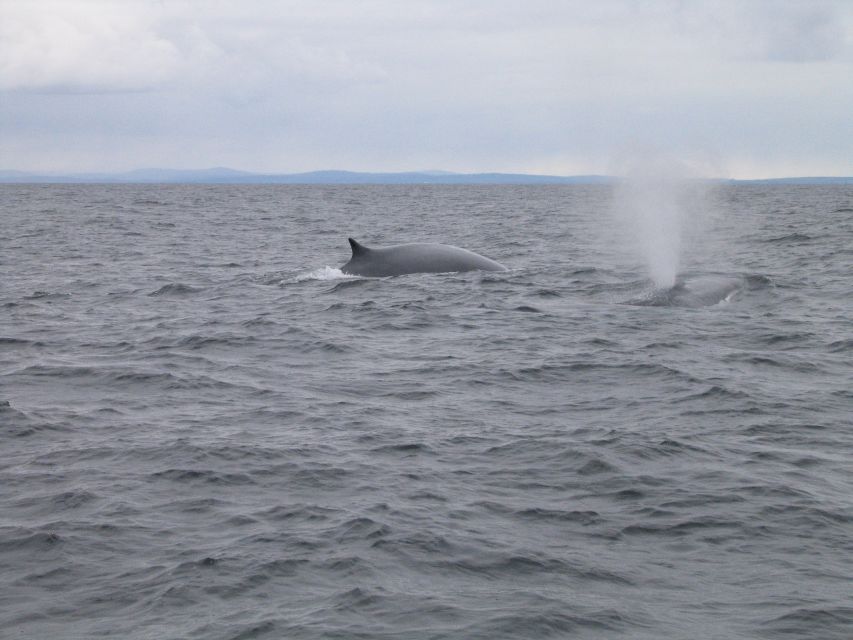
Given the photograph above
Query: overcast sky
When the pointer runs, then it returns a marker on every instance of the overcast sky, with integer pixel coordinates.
(759, 88)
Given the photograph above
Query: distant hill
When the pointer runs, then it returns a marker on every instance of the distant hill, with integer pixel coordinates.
(223, 175)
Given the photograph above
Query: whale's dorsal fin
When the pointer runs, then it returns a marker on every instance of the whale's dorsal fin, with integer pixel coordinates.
(357, 249)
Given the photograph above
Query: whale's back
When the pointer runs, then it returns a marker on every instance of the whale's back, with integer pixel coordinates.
(415, 258)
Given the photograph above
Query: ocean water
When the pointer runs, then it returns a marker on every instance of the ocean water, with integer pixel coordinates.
(207, 431)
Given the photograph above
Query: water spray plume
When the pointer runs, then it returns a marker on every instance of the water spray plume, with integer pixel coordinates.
(653, 201)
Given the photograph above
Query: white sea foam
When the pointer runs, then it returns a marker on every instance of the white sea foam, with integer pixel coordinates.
(323, 273)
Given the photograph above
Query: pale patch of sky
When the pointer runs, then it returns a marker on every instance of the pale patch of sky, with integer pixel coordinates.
(757, 88)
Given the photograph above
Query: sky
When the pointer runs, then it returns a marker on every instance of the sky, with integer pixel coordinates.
(742, 89)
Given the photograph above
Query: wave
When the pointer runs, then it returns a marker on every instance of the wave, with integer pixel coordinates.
(196, 341)
(21, 539)
(569, 371)
(47, 296)
(549, 624)
(559, 515)
(59, 371)
(18, 342)
(813, 622)
(19, 424)
(299, 512)
(133, 377)
(840, 346)
(791, 237)
(175, 289)
(203, 475)
(696, 525)
(715, 392)
(496, 565)
(791, 362)
(259, 321)
(406, 449)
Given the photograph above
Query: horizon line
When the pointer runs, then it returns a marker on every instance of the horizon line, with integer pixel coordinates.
(221, 174)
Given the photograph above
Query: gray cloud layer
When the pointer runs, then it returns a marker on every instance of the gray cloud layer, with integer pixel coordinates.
(755, 88)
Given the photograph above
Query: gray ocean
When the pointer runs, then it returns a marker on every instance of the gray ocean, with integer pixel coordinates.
(207, 431)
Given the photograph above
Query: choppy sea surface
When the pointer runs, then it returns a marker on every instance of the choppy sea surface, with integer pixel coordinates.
(207, 431)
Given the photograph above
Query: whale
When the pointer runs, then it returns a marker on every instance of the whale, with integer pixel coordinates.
(703, 291)
(402, 259)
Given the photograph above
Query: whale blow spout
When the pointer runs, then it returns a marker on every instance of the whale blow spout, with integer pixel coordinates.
(401, 259)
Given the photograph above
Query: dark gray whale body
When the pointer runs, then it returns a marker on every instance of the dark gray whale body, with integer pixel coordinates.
(702, 291)
(414, 258)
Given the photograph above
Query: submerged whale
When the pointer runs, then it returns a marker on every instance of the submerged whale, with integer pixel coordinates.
(414, 258)
(694, 292)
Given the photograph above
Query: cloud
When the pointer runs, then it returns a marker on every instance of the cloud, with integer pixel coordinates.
(785, 31)
(381, 84)
(83, 46)
(98, 46)
(811, 33)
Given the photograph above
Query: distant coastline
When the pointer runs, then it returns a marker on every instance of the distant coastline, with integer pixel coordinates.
(221, 175)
